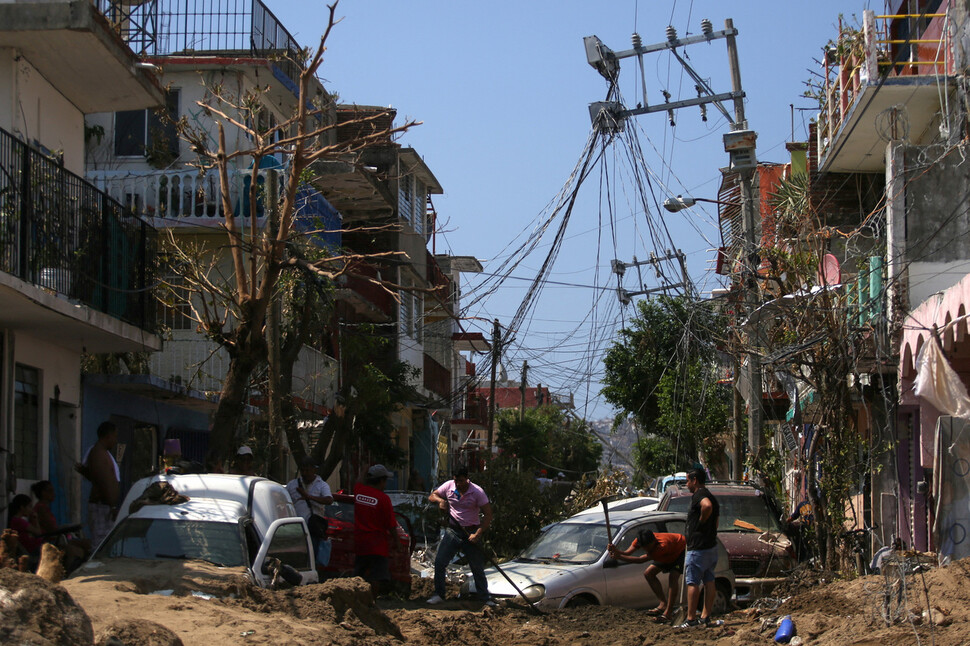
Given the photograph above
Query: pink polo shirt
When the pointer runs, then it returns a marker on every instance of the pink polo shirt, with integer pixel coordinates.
(463, 507)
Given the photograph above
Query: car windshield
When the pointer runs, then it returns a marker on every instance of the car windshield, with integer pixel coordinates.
(154, 538)
(568, 543)
(748, 509)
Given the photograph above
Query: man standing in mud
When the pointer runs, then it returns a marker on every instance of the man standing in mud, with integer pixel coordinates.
(100, 468)
(469, 515)
(375, 529)
(701, 557)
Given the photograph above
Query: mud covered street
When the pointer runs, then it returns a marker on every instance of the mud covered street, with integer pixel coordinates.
(201, 606)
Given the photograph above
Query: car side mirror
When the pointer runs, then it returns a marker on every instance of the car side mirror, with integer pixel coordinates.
(610, 563)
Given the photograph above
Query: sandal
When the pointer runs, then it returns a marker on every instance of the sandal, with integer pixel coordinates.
(660, 619)
(653, 612)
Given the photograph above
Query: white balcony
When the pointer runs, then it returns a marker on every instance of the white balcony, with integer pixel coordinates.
(179, 197)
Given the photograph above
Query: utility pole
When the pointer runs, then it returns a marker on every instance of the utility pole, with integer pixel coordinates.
(610, 117)
(525, 370)
(743, 140)
(496, 357)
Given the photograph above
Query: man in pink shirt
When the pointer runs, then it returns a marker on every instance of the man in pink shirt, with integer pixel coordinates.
(469, 515)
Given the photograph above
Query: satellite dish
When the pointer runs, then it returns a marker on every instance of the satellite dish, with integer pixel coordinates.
(830, 273)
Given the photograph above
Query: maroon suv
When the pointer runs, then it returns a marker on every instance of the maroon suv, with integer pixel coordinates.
(760, 558)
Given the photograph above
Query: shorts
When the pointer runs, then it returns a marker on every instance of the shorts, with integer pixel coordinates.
(699, 566)
(372, 567)
(677, 565)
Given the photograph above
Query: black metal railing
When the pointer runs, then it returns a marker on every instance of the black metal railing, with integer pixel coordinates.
(61, 233)
(187, 27)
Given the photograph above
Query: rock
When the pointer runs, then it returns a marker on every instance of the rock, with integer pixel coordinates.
(9, 542)
(51, 563)
(37, 612)
(137, 632)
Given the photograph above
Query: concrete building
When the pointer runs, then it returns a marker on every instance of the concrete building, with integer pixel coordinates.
(76, 269)
(886, 162)
(203, 53)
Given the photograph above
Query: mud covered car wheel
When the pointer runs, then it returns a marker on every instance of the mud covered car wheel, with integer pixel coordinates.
(722, 597)
(581, 600)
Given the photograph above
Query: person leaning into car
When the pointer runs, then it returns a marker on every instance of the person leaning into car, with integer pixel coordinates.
(701, 558)
(667, 553)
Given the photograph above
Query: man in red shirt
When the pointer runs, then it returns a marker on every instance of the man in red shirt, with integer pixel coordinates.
(375, 529)
(667, 553)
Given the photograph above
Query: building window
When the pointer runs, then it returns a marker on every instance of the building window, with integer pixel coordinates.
(176, 314)
(405, 195)
(26, 423)
(419, 318)
(419, 210)
(145, 133)
(407, 314)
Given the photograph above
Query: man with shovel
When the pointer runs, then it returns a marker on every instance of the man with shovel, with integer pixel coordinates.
(469, 515)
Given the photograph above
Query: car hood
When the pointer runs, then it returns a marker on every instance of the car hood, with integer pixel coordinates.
(523, 574)
(753, 545)
(168, 577)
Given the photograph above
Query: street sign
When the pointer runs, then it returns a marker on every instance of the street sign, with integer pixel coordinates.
(789, 437)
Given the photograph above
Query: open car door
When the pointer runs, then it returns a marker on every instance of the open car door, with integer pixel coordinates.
(288, 540)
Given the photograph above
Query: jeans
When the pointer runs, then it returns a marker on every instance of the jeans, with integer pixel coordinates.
(449, 546)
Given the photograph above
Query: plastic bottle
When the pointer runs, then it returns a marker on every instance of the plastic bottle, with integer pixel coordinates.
(785, 630)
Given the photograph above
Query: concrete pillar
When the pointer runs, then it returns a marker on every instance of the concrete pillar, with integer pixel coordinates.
(896, 284)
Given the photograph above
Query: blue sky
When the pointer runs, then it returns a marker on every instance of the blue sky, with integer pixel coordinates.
(503, 89)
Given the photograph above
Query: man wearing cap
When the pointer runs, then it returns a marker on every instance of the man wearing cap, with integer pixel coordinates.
(243, 464)
(469, 515)
(375, 529)
(310, 494)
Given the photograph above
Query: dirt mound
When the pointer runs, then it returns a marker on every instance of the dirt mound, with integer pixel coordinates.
(34, 611)
(137, 632)
(339, 601)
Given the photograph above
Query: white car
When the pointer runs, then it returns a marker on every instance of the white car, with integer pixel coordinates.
(568, 564)
(641, 503)
(228, 520)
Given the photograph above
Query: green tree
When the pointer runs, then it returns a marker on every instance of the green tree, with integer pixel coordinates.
(547, 438)
(655, 455)
(662, 373)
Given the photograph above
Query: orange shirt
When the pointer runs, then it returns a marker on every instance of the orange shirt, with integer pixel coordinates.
(669, 547)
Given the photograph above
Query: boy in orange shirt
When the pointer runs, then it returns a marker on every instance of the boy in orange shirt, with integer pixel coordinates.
(667, 553)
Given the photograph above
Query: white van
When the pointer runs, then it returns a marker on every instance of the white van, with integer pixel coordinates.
(228, 520)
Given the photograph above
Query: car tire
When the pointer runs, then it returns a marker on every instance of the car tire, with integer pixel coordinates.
(581, 600)
(722, 597)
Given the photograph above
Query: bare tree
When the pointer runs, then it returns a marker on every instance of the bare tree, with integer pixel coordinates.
(232, 309)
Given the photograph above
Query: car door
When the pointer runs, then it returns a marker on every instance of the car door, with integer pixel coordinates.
(625, 585)
(288, 540)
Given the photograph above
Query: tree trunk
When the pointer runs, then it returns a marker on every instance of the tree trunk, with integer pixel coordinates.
(232, 400)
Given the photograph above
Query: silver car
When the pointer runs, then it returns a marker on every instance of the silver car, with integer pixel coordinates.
(568, 564)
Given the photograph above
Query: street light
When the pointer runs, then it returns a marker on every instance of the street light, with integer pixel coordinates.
(679, 203)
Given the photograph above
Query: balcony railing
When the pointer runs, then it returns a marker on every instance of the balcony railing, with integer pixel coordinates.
(887, 46)
(176, 194)
(60, 232)
(199, 363)
(188, 197)
(193, 27)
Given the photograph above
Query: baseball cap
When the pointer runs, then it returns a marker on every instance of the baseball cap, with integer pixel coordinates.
(244, 450)
(378, 471)
(307, 461)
